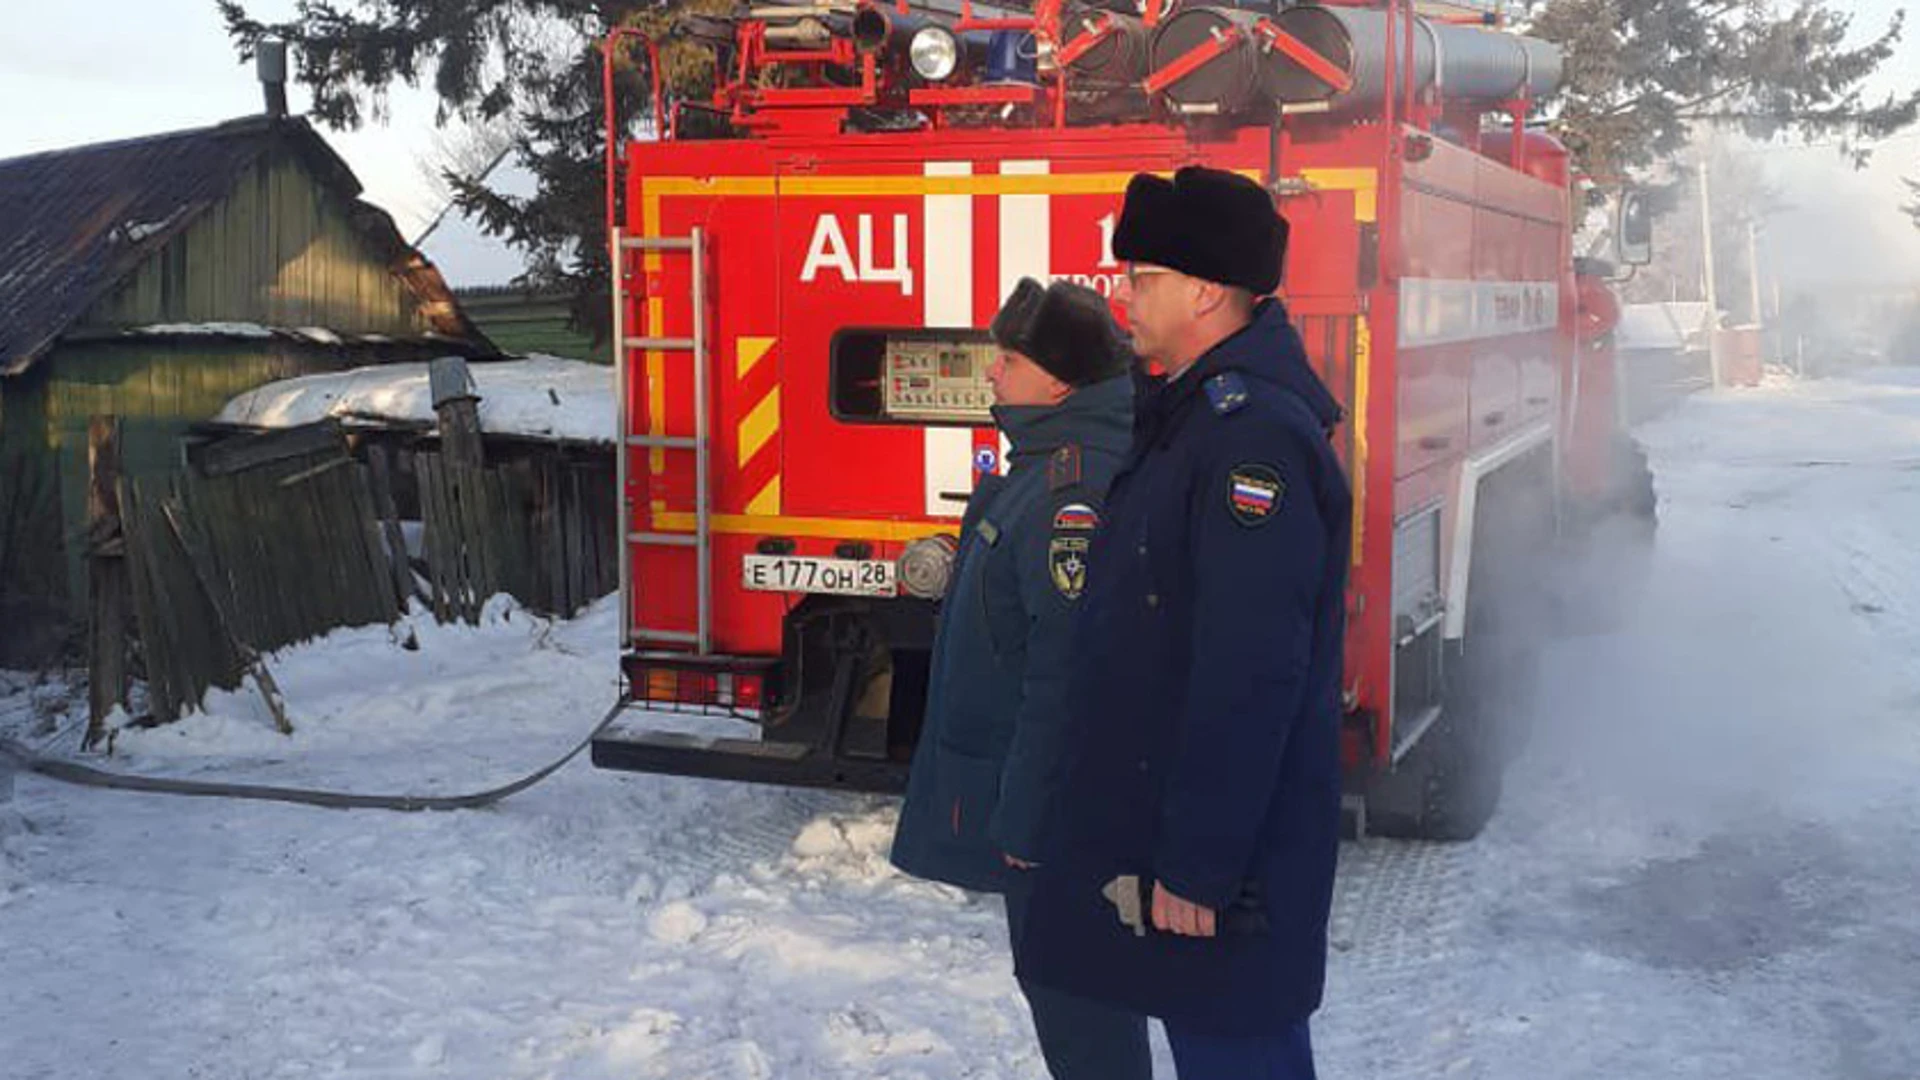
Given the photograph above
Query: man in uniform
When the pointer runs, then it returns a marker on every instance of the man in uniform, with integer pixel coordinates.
(1190, 863)
(986, 768)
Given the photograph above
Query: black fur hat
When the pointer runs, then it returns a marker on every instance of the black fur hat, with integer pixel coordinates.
(1207, 223)
(1067, 329)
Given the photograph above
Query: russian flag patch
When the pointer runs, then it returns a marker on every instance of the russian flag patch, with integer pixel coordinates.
(1076, 517)
(1254, 491)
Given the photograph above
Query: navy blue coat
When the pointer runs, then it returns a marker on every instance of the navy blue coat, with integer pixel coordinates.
(1206, 698)
(987, 764)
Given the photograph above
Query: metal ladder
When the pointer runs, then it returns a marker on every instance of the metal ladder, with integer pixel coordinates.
(699, 443)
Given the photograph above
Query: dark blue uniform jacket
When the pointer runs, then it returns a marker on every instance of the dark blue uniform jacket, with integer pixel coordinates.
(987, 765)
(1206, 699)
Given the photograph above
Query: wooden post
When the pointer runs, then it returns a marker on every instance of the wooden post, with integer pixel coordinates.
(458, 408)
(107, 675)
(463, 461)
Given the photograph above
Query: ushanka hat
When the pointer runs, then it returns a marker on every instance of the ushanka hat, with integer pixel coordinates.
(1067, 329)
(1206, 223)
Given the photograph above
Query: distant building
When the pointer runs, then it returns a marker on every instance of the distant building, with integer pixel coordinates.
(528, 322)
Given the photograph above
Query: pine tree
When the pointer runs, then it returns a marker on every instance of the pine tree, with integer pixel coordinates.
(1641, 73)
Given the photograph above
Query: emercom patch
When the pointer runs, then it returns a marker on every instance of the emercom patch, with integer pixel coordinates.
(1254, 492)
(1067, 564)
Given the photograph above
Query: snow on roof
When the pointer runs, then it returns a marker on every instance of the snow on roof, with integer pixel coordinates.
(318, 335)
(212, 329)
(541, 397)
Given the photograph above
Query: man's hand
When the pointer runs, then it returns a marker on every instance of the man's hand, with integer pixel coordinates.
(1173, 915)
(1018, 864)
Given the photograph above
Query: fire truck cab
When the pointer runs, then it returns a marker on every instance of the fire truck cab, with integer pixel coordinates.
(799, 303)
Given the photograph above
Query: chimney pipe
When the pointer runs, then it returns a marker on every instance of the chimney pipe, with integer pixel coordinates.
(271, 59)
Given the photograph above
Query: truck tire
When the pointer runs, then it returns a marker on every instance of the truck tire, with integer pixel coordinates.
(1449, 785)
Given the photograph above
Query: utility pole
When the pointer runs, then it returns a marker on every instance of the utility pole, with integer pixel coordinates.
(1773, 312)
(1706, 258)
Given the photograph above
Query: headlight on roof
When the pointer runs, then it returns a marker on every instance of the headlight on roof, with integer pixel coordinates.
(935, 53)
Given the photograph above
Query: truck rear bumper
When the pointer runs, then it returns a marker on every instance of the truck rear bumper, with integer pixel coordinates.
(759, 762)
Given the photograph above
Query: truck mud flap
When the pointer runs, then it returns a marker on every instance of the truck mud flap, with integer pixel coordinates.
(759, 762)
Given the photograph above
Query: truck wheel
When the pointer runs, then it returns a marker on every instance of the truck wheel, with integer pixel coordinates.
(1449, 785)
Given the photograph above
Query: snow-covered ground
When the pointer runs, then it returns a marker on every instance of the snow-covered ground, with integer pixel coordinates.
(1705, 866)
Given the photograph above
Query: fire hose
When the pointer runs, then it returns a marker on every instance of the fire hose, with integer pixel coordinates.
(70, 772)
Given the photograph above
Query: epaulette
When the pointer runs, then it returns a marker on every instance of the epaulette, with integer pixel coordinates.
(1227, 391)
(1063, 468)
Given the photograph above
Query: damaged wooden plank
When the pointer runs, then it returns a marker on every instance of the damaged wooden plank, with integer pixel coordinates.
(380, 482)
(161, 696)
(241, 453)
(263, 678)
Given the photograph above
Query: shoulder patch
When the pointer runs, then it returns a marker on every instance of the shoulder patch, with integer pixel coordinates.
(1254, 491)
(1067, 564)
(1076, 517)
(1227, 391)
(1063, 468)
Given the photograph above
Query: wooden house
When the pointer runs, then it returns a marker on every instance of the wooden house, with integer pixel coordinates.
(153, 280)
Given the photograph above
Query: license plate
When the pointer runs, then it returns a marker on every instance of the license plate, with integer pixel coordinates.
(835, 577)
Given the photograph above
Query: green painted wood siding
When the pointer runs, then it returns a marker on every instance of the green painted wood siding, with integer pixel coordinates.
(550, 336)
(279, 251)
(33, 578)
(522, 323)
(156, 389)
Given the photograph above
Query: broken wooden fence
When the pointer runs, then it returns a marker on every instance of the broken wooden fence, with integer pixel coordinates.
(537, 528)
(258, 559)
(278, 538)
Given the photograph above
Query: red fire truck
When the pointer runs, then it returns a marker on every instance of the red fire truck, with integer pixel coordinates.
(799, 294)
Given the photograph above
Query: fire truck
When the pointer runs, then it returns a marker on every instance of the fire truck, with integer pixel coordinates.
(803, 265)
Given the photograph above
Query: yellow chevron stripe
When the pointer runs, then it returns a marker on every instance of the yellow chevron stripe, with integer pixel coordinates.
(759, 425)
(767, 503)
(750, 351)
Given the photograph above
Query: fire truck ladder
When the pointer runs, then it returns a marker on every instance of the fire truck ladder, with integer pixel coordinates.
(699, 443)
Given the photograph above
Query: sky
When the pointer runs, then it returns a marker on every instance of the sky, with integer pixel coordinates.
(114, 69)
(75, 73)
